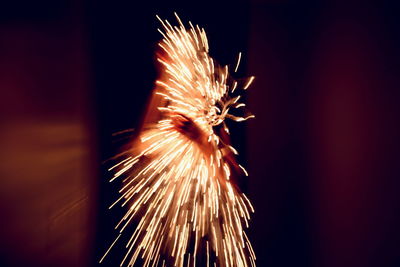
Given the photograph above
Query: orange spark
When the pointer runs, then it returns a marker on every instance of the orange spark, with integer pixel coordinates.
(177, 176)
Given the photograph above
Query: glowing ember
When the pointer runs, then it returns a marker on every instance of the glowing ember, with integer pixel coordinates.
(177, 176)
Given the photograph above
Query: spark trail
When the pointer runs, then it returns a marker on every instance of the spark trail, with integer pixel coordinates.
(177, 176)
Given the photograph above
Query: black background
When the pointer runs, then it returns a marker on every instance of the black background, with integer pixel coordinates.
(322, 153)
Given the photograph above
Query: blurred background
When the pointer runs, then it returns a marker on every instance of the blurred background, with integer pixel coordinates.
(323, 152)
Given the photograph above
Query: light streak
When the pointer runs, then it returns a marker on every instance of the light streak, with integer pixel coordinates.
(238, 62)
(248, 83)
(178, 175)
(108, 250)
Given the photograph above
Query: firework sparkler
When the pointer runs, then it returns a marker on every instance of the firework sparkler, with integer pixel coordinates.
(177, 175)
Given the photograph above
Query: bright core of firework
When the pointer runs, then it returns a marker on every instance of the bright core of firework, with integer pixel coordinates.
(177, 175)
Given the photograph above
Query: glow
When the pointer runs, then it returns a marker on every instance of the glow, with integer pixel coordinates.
(177, 176)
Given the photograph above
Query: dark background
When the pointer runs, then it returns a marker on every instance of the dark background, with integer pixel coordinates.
(323, 152)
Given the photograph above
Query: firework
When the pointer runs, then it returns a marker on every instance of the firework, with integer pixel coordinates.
(177, 176)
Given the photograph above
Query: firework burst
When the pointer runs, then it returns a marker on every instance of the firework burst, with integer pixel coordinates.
(177, 175)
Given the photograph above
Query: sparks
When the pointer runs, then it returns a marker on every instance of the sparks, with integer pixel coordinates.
(177, 176)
